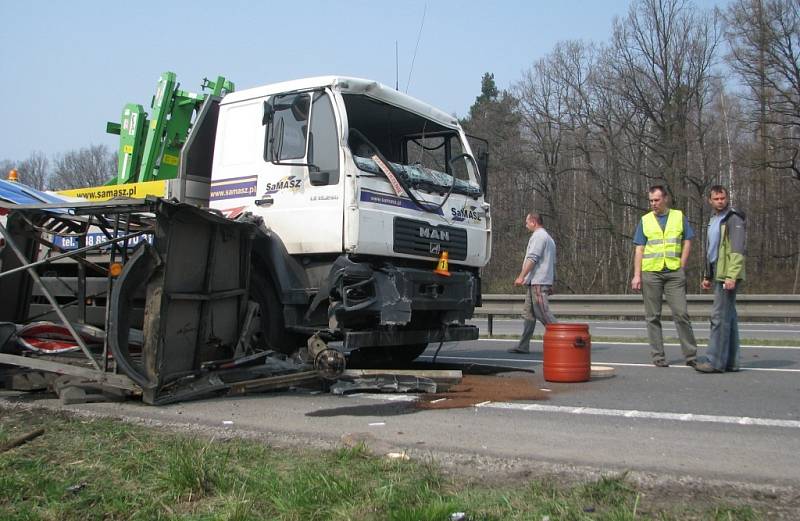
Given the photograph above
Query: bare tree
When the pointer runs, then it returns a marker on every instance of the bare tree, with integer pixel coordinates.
(545, 120)
(663, 51)
(764, 51)
(90, 166)
(604, 181)
(493, 117)
(34, 171)
(764, 42)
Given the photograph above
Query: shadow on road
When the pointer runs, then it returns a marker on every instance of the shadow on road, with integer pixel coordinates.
(380, 409)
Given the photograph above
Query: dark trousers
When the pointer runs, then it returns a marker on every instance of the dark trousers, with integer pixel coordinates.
(537, 307)
(669, 285)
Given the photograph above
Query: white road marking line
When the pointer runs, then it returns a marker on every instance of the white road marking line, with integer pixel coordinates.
(595, 411)
(652, 415)
(696, 329)
(634, 343)
(621, 364)
(703, 325)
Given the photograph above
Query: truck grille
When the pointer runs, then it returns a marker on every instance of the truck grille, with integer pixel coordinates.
(420, 238)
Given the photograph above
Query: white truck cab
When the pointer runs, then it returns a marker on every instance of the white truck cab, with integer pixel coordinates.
(362, 188)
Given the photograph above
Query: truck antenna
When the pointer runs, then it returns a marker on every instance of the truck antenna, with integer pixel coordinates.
(416, 47)
(396, 68)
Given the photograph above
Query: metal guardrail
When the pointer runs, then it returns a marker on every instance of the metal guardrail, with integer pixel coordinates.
(749, 307)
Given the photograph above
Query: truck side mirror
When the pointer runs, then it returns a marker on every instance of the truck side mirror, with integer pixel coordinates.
(480, 148)
(483, 167)
(318, 177)
(269, 112)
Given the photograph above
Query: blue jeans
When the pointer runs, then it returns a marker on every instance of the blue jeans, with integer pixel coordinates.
(723, 342)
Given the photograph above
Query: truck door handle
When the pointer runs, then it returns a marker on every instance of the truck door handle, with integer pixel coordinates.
(267, 201)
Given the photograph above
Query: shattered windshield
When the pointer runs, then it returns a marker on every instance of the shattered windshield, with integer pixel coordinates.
(420, 177)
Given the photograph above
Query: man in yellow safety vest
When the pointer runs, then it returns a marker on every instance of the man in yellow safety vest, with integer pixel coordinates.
(662, 242)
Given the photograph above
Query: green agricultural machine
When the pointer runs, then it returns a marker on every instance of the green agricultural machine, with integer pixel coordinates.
(149, 149)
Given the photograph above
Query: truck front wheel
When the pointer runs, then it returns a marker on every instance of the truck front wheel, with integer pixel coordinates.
(272, 331)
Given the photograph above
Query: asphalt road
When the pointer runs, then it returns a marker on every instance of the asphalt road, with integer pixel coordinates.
(768, 386)
(742, 427)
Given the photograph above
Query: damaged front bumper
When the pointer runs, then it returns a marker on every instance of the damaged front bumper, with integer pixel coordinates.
(386, 304)
(451, 333)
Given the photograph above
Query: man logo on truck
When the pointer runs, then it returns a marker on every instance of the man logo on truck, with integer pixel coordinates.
(432, 233)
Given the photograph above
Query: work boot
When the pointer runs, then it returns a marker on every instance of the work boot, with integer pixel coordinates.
(524, 344)
(518, 350)
(705, 367)
(660, 363)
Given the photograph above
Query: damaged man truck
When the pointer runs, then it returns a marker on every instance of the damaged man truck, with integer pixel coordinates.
(357, 192)
(363, 188)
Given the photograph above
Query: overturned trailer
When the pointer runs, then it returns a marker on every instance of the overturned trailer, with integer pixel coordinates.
(179, 320)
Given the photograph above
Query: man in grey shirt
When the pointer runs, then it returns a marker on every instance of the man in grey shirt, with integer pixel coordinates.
(537, 275)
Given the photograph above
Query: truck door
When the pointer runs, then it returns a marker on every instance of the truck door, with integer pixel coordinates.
(300, 193)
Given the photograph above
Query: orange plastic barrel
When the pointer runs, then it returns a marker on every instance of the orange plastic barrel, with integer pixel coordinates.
(567, 353)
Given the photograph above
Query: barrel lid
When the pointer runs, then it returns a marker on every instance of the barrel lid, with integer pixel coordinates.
(567, 326)
(602, 371)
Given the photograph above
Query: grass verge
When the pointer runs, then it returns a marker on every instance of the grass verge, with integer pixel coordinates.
(92, 469)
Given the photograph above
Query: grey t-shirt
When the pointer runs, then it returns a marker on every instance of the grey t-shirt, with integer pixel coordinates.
(542, 251)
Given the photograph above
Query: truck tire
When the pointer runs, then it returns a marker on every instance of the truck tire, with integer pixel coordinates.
(385, 357)
(273, 334)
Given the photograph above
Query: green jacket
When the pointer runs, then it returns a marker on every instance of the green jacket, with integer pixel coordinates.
(731, 254)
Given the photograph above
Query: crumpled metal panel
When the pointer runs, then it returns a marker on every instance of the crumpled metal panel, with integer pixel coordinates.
(197, 280)
(385, 384)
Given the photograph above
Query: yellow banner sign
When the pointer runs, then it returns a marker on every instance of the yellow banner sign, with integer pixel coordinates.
(132, 190)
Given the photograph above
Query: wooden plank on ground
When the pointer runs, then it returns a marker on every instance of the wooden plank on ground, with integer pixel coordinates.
(440, 376)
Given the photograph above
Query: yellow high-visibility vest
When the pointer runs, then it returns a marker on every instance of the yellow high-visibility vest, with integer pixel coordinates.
(663, 248)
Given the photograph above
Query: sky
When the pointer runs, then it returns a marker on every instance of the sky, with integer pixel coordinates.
(69, 67)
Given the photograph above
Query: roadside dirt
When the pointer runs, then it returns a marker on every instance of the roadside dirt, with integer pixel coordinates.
(658, 492)
(475, 389)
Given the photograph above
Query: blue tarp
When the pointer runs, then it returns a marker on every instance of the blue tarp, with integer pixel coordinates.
(20, 194)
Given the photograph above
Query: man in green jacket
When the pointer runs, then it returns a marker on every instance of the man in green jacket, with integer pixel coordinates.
(725, 256)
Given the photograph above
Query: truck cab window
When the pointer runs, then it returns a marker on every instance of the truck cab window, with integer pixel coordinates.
(288, 133)
(429, 155)
(324, 141)
(435, 152)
